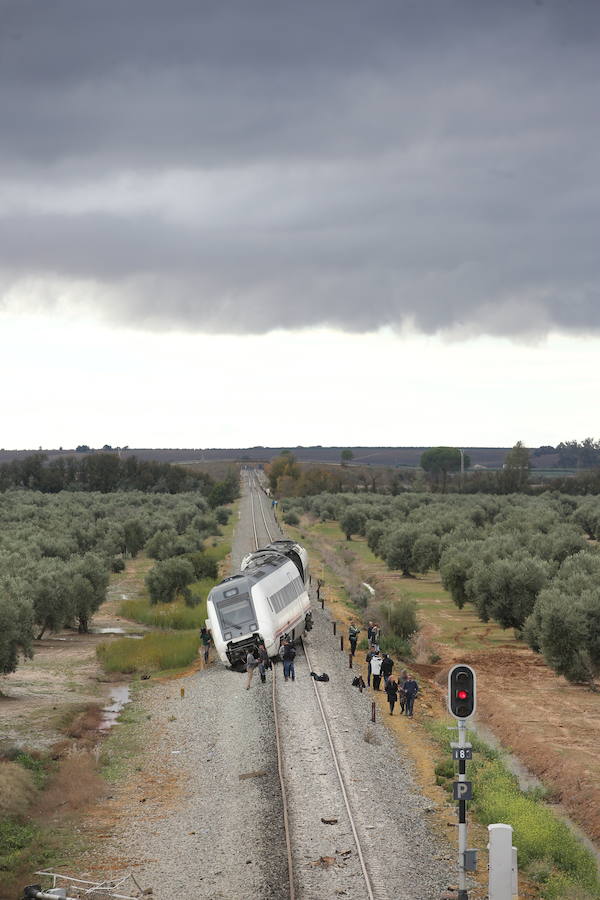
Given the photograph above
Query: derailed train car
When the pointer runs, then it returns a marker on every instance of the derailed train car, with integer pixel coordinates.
(265, 602)
(294, 551)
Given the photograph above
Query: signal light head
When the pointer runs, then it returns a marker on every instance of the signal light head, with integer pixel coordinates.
(461, 691)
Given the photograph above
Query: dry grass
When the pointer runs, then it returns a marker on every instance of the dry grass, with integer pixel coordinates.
(75, 784)
(16, 789)
(85, 722)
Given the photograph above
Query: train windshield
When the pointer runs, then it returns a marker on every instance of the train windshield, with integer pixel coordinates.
(236, 612)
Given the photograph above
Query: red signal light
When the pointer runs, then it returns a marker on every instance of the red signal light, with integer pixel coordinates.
(462, 695)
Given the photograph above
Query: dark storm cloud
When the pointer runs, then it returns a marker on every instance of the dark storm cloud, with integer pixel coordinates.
(249, 165)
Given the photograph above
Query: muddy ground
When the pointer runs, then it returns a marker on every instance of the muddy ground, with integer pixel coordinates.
(41, 699)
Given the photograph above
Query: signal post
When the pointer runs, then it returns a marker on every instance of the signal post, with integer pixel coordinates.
(461, 705)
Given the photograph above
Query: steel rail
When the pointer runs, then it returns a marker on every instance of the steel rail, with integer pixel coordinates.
(251, 484)
(341, 780)
(286, 818)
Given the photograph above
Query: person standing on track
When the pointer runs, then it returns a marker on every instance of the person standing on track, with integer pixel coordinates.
(353, 633)
(263, 662)
(391, 690)
(251, 664)
(288, 656)
(376, 662)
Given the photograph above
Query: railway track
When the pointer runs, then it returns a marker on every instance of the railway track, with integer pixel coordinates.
(312, 870)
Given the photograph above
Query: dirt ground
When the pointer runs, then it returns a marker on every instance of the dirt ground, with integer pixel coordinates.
(553, 727)
(63, 678)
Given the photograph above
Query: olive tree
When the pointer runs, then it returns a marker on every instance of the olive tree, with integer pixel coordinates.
(16, 626)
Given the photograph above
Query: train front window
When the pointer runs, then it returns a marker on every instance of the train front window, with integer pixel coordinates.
(237, 612)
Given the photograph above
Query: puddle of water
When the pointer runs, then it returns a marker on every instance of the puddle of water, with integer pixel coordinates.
(119, 697)
(115, 630)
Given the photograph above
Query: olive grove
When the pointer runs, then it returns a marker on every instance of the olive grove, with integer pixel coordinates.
(57, 550)
(529, 563)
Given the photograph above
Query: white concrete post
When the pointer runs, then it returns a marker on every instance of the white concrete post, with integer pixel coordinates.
(501, 877)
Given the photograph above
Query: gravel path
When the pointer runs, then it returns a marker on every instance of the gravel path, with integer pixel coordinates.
(223, 836)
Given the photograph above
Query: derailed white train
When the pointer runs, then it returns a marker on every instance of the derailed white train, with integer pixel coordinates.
(267, 601)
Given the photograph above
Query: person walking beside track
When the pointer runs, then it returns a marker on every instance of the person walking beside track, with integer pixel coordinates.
(411, 689)
(386, 668)
(251, 664)
(391, 690)
(401, 695)
(353, 633)
(376, 662)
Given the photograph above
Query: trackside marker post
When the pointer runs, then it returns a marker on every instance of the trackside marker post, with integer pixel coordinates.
(462, 700)
(503, 877)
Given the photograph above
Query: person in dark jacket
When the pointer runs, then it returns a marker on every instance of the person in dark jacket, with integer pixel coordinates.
(353, 633)
(288, 656)
(205, 638)
(386, 668)
(391, 690)
(368, 659)
(411, 689)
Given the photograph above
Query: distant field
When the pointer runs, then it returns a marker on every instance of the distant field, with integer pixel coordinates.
(490, 457)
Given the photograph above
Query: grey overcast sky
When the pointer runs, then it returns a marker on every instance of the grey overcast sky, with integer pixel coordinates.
(363, 184)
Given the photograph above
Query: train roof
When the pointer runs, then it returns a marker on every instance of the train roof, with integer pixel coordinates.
(260, 565)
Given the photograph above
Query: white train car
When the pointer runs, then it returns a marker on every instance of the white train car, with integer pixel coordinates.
(295, 552)
(266, 602)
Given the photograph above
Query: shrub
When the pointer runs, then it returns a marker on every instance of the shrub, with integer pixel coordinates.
(402, 617)
(290, 518)
(117, 564)
(169, 579)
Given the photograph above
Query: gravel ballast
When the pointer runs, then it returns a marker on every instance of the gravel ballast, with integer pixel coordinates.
(223, 835)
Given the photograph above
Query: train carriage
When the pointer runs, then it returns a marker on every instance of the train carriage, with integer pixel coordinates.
(264, 602)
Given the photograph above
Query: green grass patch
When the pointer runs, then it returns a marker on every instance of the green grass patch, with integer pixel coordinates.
(15, 840)
(176, 615)
(125, 742)
(153, 653)
(548, 850)
(37, 767)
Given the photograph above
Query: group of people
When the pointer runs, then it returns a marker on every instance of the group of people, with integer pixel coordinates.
(287, 654)
(381, 665)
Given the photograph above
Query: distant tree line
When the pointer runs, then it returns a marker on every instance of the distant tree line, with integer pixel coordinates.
(525, 562)
(106, 472)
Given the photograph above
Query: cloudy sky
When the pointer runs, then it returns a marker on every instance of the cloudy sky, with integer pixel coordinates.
(272, 222)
